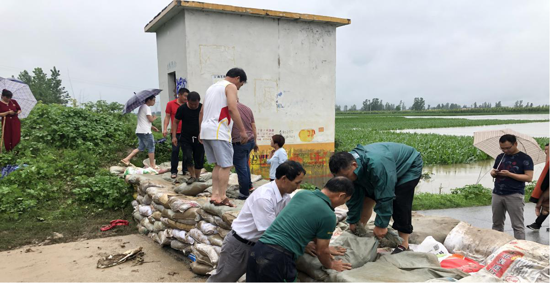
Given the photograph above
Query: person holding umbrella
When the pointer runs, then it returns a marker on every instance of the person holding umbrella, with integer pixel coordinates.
(143, 131)
(11, 125)
(511, 170)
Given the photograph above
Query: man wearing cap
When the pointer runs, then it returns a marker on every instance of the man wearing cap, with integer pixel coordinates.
(257, 214)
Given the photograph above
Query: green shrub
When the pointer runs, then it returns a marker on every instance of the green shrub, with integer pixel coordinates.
(104, 189)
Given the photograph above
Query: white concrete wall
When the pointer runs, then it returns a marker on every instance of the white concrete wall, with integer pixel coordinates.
(290, 67)
(171, 56)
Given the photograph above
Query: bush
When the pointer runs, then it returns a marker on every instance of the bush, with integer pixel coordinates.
(104, 189)
(63, 149)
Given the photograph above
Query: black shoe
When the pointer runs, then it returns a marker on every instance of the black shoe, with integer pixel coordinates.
(534, 226)
(399, 249)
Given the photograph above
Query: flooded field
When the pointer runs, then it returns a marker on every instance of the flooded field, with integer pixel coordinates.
(447, 177)
(538, 129)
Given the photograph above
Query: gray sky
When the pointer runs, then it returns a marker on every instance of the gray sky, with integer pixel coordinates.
(441, 50)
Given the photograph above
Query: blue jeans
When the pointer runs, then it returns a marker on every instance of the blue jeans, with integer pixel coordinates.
(241, 156)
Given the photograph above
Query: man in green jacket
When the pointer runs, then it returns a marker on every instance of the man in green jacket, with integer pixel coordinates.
(384, 174)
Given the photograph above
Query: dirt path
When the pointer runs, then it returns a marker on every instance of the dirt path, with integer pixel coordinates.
(77, 261)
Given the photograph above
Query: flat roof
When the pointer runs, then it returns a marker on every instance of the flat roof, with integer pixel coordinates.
(177, 5)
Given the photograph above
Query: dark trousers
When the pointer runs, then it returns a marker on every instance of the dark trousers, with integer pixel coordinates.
(241, 155)
(175, 158)
(541, 219)
(193, 152)
(402, 206)
(268, 263)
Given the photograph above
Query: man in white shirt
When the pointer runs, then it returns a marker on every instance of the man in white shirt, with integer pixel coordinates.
(257, 214)
(145, 120)
(218, 113)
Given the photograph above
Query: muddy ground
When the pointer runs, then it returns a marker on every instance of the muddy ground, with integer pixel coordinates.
(77, 261)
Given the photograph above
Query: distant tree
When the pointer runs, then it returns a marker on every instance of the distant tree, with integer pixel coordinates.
(48, 90)
(498, 104)
(518, 104)
(353, 108)
(345, 108)
(398, 107)
(337, 108)
(419, 104)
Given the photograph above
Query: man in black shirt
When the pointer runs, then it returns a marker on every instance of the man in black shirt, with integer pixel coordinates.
(511, 170)
(193, 150)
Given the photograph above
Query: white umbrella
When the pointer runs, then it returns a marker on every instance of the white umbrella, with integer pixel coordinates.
(21, 93)
(487, 141)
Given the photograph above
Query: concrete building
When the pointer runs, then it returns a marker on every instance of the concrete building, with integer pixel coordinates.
(290, 61)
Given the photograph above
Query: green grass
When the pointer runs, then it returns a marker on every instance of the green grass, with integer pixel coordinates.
(468, 196)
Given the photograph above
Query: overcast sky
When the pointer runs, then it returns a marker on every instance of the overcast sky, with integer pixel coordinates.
(442, 50)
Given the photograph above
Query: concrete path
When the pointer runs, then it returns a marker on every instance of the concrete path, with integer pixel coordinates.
(481, 217)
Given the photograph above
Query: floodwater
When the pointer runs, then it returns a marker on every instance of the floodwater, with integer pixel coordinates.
(447, 177)
(492, 117)
(538, 129)
(444, 178)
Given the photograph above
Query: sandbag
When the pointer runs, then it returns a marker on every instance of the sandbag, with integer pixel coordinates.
(176, 225)
(360, 250)
(201, 269)
(147, 224)
(177, 245)
(158, 226)
(475, 243)
(193, 189)
(402, 267)
(220, 210)
(142, 230)
(134, 204)
(158, 207)
(157, 215)
(182, 236)
(198, 236)
(163, 239)
(137, 216)
(179, 204)
(219, 222)
(229, 216)
(147, 200)
(215, 240)
(208, 251)
(430, 245)
(190, 216)
(437, 227)
(519, 261)
(463, 263)
(139, 199)
(164, 199)
(206, 216)
(201, 258)
(152, 191)
(145, 210)
(341, 214)
(117, 170)
(223, 232)
(207, 228)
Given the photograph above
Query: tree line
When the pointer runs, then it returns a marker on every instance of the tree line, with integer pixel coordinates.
(419, 104)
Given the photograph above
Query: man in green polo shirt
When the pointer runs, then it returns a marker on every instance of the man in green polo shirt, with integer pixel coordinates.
(308, 216)
(384, 174)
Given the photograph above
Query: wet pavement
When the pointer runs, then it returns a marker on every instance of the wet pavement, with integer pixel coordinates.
(481, 217)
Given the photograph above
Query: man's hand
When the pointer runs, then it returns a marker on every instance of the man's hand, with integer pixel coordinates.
(380, 232)
(165, 132)
(199, 138)
(244, 137)
(155, 129)
(340, 266)
(504, 173)
(175, 141)
(154, 118)
(494, 173)
(311, 249)
(337, 250)
(352, 227)
(11, 112)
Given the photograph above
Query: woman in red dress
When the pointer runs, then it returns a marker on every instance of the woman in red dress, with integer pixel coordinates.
(9, 109)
